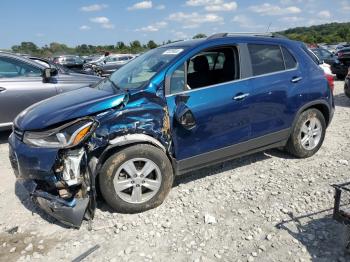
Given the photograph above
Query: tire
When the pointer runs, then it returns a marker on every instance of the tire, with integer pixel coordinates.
(347, 90)
(115, 172)
(296, 143)
(340, 76)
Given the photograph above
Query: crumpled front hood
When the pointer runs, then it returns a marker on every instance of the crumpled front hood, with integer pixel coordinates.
(67, 106)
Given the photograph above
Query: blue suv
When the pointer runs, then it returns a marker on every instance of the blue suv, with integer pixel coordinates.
(174, 109)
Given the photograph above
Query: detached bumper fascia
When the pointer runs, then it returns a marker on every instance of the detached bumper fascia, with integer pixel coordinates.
(70, 213)
(33, 165)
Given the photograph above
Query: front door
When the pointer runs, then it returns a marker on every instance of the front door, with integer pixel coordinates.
(208, 86)
(21, 85)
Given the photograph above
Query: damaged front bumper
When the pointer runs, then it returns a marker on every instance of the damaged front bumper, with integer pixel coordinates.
(61, 182)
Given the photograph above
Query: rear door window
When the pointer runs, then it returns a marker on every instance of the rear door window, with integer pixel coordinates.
(265, 59)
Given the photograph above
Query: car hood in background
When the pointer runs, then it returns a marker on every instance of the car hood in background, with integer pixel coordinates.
(78, 78)
(67, 106)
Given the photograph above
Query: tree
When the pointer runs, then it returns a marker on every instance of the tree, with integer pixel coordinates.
(200, 35)
(120, 45)
(25, 47)
(151, 44)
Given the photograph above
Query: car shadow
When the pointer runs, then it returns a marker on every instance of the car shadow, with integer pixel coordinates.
(4, 135)
(323, 237)
(23, 195)
(341, 100)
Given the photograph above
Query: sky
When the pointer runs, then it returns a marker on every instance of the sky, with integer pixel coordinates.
(103, 22)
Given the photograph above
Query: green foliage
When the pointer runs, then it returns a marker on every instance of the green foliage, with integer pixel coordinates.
(326, 33)
(54, 48)
(200, 35)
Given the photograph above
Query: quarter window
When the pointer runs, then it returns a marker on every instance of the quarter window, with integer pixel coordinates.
(14, 68)
(266, 59)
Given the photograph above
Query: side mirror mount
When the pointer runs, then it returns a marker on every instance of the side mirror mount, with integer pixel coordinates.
(183, 115)
(48, 73)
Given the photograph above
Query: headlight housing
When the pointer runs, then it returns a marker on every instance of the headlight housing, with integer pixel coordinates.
(68, 135)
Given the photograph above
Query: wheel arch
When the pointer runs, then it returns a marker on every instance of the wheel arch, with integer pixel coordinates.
(121, 142)
(320, 105)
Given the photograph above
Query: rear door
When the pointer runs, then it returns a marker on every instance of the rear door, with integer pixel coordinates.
(275, 77)
(21, 85)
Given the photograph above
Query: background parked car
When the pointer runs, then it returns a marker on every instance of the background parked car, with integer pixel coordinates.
(107, 65)
(347, 84)
(341, 68)
(324, 55)
(23, 82)
(72, 62)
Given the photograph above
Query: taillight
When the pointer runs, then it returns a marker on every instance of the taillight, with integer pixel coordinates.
(330, 80)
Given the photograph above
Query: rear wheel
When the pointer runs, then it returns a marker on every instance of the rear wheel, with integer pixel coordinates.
(308, 134)
(136, 179)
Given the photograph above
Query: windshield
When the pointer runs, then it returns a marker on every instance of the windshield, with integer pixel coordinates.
(140, 70)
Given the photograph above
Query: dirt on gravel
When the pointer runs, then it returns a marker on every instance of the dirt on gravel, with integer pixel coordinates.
(265, 207)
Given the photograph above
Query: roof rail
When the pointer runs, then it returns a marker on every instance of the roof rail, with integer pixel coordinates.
(219, 35)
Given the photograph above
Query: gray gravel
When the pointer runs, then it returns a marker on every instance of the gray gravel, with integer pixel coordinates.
(237, 211)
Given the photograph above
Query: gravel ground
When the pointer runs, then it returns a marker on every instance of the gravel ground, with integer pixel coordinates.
(241, 210)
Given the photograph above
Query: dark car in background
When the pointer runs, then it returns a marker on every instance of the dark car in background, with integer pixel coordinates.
(24, 82)
(174, 109)
(324, 55)
(341, 68)
(339, 62)
(72, 62)
(347, 84)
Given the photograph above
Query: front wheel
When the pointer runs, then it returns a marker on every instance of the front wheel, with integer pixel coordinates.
(136, 178)
(308, 134)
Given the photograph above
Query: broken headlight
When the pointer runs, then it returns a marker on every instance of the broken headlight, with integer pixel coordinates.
(68, 135)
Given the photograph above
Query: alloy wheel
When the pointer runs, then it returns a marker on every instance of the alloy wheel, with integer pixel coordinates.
(137, 180)
(311, 133)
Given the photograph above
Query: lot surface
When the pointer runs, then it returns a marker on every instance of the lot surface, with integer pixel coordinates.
(227, 212)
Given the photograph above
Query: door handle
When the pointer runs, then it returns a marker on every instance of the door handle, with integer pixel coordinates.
(296, 79)
(240, 96)
(2, 89)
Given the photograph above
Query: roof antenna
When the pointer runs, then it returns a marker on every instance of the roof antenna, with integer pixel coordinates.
(268, 28)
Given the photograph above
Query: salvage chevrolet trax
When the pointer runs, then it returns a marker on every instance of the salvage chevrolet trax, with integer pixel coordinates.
(174, 109)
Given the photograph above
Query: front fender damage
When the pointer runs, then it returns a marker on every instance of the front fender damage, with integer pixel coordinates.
(141, 119)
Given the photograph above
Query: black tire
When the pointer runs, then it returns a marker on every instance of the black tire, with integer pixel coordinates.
(294, 145)
(347, 90)
(340, 76)
(111, 166)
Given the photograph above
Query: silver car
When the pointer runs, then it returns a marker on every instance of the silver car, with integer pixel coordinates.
(24, 82)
